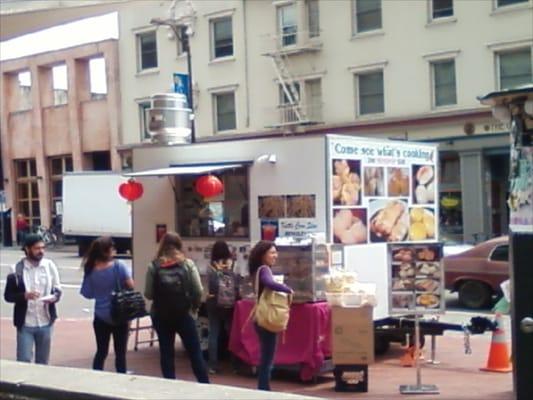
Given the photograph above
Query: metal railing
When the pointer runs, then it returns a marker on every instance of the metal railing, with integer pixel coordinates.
(288, 114)
(292, 42)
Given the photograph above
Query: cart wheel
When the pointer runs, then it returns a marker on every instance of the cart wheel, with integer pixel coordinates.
(381, 345)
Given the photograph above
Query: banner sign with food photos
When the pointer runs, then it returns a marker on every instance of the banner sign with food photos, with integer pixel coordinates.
(382, 191)
(417, 279)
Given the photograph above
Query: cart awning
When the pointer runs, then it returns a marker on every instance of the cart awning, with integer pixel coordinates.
(188, 169)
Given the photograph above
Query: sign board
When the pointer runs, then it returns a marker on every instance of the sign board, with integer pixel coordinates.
(181, 84)
(382, 191)
(416, 279)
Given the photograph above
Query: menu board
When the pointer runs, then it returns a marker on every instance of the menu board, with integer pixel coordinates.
(417, 279)
(382, 192)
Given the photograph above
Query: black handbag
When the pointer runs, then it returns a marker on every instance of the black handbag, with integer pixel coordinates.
(126, 304)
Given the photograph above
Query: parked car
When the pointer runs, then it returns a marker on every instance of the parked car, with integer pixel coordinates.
(476, 274)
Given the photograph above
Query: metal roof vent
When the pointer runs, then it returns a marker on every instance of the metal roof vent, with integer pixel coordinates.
(168, 119)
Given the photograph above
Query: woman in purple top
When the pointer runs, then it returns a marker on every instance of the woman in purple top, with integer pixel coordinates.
(264, 253)
(100, 276)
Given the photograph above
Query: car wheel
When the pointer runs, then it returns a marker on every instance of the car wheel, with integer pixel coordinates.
(474, 294)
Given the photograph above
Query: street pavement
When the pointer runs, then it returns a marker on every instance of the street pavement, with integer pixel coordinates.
(457, 376)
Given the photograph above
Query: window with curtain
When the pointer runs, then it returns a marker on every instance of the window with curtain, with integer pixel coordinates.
(288, 25)
(367, 15)
(444, 86)
(441, 8)
(370, 90)
(313, 18)
(225, 111)
(147, 49)
(222, 37)
(515, 68)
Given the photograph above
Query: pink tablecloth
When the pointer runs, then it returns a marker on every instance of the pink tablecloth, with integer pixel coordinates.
(307, 339)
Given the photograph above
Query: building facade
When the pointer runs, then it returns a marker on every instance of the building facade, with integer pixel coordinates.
(57, 116)
(405, 70)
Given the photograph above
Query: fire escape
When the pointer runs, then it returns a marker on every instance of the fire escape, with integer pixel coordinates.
(291, 111)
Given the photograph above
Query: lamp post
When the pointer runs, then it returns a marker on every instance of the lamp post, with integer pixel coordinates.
(185, 43)
(515, 106)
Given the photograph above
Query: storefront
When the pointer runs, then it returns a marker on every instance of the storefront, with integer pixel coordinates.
(473, 187)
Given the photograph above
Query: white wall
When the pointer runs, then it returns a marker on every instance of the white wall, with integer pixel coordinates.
(300, 169)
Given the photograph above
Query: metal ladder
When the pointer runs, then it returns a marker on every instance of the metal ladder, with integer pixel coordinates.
(287, 84)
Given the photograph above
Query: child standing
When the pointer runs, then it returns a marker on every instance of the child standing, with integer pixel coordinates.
(223, 293)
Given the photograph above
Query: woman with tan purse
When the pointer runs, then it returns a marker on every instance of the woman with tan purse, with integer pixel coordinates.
(262, 257)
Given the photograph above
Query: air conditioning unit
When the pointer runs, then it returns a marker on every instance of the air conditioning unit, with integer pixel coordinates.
(169, 119)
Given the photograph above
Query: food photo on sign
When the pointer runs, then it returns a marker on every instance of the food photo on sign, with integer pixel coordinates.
(397, 182)
(346, 182)
(421, 224)
(374, 181)
(423, 184)
(389, 220)
(350, 226)
(416, 278)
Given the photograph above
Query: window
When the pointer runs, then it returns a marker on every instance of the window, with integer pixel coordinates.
(286, 108)
(313, 19)
(500, 253)
(183, 40)
(287, 24)
(28, 191)
(226, 215)
(367, 15)
(313, 99)
(143, 118)
(58, 166)
(60, 84)
(225, 111)
(147, 50)
(514, 68)
(444, 87)
(24, 79)
(441, 8)
(503, 3)
(370, 92)
(97, 78)
(222, 37)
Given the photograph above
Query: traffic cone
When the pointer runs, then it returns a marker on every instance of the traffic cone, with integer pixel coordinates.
(499, 354)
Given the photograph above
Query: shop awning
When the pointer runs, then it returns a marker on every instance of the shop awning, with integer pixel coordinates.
(188, 169)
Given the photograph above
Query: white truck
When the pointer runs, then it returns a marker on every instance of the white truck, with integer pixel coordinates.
(92, 207)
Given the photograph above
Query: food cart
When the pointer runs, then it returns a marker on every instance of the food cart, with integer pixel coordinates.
(361, 194)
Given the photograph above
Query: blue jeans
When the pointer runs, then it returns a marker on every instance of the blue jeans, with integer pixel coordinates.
(166, 332)
(27, 337)
(218, 319)
(267, 341)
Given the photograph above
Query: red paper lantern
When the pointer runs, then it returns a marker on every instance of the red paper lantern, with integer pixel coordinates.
(209, 186)
(131, 190)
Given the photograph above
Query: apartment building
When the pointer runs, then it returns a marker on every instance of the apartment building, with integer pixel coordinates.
(60, 112)
(405, 70)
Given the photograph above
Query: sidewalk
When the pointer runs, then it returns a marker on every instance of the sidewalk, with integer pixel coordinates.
(457, 377)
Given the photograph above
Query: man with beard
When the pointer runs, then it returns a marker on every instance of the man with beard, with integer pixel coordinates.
(34, 287)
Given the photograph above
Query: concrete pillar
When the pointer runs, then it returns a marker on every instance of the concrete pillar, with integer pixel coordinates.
(74, 114)
(38, 77)
(473, 194)
(6, 91)
(113, 103)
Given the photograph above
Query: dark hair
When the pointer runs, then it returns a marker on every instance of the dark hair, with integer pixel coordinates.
(169, 246)
(98, 251)
(220, 251)
(256, 255)
(30, 240)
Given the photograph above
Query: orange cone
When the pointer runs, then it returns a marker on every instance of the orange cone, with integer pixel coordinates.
(499, 354)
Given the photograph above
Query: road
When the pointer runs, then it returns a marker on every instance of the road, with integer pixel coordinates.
(73, 305)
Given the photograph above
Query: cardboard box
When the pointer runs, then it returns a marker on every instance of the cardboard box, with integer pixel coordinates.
(352, 335)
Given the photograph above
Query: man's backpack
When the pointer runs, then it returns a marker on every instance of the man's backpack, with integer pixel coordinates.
(226, 296)
(172, 291)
